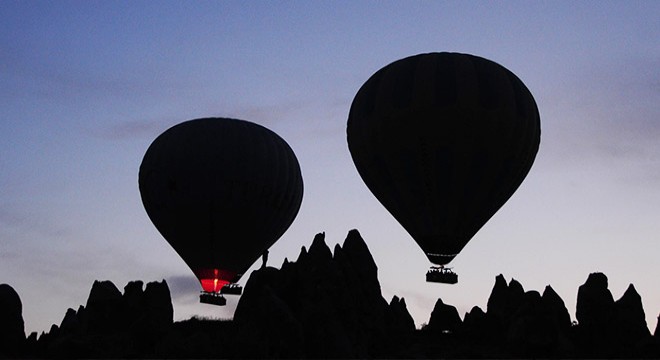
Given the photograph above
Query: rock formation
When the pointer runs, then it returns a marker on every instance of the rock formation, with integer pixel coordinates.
(444, 319)
(326, 304)
(505, 299)
(111, 324)
(12, 331)
(105, 308)
(554, 305)
(329, 304)
(595, 303)
(399, 317)
(610, 328)
(539, 327)
(517, 323)
(629, 320)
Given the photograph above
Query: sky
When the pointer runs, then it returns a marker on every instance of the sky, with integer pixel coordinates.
(86, 86)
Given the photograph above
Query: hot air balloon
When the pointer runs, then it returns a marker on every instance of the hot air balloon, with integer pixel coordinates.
(221, 192)
(443, 140)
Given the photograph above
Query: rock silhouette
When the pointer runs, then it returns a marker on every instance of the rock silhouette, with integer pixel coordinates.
(595, 303)
(329, 304)
(400, 317)
(111, 324)
(444, 318)
(12, 330)
(505, 299)
(610, 328)
(629, 320)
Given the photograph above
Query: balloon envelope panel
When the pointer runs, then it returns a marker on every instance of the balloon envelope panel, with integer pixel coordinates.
(443, 140)
(221, 192)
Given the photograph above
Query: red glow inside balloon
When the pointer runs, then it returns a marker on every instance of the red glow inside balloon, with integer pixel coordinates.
(213, 280)
(213, 285)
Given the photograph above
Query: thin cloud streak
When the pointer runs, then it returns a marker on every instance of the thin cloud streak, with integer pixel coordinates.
(135, 129)
(30, 223)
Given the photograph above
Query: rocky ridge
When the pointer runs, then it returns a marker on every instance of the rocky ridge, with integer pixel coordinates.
(329, 304)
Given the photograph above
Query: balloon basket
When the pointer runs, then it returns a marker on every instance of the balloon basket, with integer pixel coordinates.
(231, 289)
(441, 275)
(212, 298)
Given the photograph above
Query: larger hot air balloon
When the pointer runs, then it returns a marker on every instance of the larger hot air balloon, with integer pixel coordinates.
(221, 192)
(443, 140)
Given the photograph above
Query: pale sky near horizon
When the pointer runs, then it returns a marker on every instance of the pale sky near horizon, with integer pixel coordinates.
(85, 86)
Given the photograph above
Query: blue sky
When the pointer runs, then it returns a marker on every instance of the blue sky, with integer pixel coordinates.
(85, 86)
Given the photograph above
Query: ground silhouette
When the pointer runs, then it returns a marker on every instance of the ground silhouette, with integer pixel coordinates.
(329, 304)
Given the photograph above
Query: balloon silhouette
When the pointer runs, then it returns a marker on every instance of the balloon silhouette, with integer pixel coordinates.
(221, 192)
(443, 140)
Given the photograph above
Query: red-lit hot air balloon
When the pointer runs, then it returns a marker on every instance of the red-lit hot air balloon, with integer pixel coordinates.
(221, 192)
(443, 140)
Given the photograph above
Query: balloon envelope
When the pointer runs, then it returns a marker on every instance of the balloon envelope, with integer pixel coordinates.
(221, 192)
(443, 140)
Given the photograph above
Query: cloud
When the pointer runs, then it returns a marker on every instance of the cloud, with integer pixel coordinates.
(134, 129)
(300, 118)
(181, 288)
(271, 114)
(13, 219)
(30, 76)
(150, 128)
